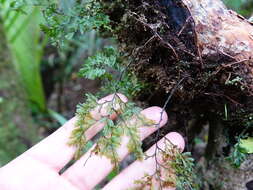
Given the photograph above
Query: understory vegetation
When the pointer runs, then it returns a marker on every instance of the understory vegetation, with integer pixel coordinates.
(56, 54)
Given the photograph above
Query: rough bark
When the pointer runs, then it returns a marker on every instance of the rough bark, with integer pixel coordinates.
(207, 46)
(223, 31)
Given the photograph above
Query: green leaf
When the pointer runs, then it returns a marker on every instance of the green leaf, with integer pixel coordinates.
(62, 120)
(23, 33)
(67, 18)
(113, 174)
(1, 100)
(98, 66)
(247, 145)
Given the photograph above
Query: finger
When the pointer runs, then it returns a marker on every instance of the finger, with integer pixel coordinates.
(54, 151)
(138, 169)
(31, 175)
(102, 111)
(86, 176)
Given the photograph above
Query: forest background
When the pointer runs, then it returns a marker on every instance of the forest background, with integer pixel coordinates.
(40, 78)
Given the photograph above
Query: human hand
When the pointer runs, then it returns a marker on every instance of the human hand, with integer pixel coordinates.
(38, 168)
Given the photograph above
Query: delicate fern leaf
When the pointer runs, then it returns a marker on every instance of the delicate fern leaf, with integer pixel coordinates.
(98, 66)
(108, 144)
(83, 123)
(63, 23)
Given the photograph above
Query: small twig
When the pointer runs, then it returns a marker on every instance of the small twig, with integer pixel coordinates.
(156, 34)
(224, 53)
(158, 131)
(214, 94)
(234, 63)
(229, 76)
(87, 158)
(184, 26)
(147, 42)
(172, 92)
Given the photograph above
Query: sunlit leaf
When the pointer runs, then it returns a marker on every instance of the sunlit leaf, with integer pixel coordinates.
(247, 145)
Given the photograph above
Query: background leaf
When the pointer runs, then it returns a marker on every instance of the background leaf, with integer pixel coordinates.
(247, 144)
(23, 33)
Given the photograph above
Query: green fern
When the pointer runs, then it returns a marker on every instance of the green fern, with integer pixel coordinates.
(99, 65)
(238, 154)
(110, 142)
(84, 122)
(113, 131)
(110, 67)
(176, 170)
(62, 24)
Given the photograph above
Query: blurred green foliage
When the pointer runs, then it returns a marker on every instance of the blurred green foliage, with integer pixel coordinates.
(17, 129)
(10, 144)
(237, 156)
(247, 144)
(23, 36)
(66, 19)
(243, 7)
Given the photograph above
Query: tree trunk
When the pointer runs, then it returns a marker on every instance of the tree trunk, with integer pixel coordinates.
(210, 49)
